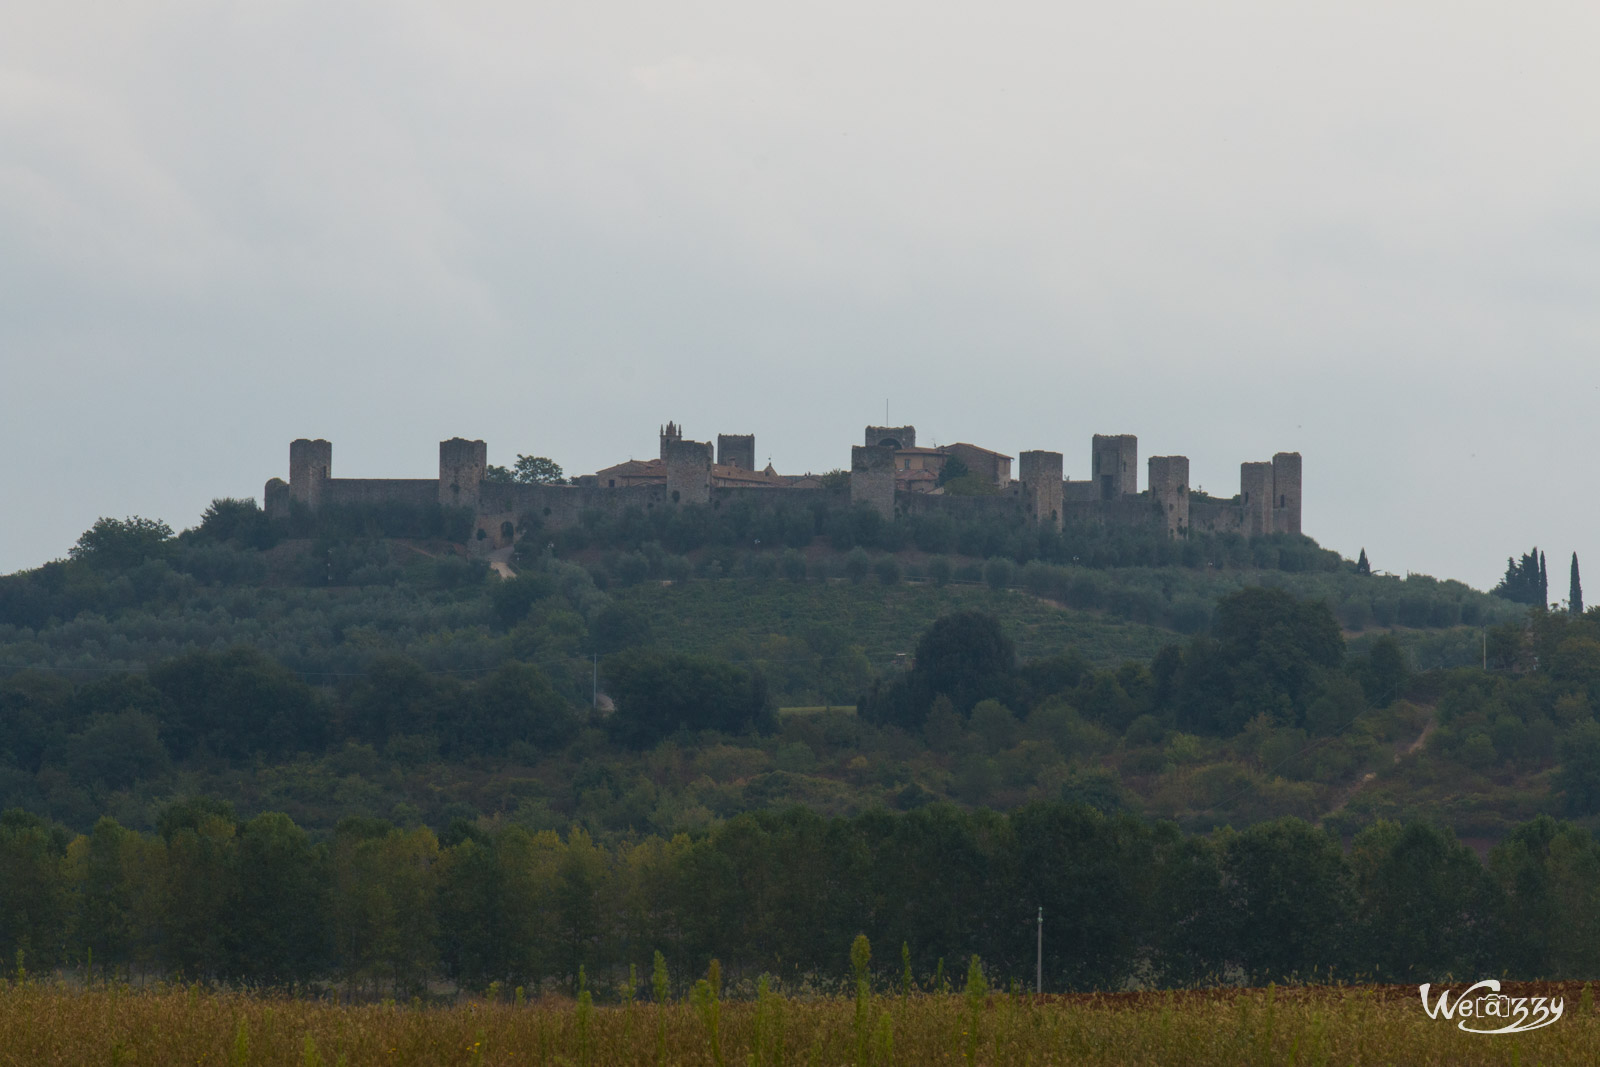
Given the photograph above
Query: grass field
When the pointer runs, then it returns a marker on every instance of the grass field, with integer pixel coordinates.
(47, 1024)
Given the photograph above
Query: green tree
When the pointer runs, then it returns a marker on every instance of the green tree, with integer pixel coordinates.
(516, 703)
(1419, 891)
(1291, 902)
(237, 703)
(201, 885)
(1575, 590)
(1577, 780)
(953, 468)
(278, 933)
(1525, 581)
(119, 544)
(537, 470)
(101, 904)
(236, 521)
(33, 889)
(658, 693)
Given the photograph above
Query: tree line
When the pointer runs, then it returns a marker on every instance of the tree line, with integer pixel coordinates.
(384, 908)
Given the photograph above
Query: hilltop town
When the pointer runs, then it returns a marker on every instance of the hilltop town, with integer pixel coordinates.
(888, 473)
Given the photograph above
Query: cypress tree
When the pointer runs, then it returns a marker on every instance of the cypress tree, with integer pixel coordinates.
(1544, 583)
(1362, 566)
(1575, 592)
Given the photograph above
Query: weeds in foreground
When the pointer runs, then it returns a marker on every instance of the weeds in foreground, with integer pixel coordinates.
(45, 1023)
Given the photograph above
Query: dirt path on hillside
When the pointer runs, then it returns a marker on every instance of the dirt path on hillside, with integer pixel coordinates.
(500, 562)
(1401, 748)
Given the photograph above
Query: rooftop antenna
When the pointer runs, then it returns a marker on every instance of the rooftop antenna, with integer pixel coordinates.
(886, 411)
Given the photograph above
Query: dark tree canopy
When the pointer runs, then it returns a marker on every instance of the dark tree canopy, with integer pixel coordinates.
(121, 543)
(1526, 581)
(658, 693)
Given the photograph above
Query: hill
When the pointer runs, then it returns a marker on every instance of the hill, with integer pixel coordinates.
(397, 678)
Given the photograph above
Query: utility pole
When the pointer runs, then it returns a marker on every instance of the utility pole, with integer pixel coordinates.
(1038, 974)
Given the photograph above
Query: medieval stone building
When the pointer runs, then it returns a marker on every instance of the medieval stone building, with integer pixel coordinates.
(887, 473)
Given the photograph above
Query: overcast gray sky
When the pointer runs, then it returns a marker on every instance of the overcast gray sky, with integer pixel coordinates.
(1369, 232)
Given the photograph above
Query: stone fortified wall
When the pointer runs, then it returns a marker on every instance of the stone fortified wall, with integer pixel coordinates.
(310, 467)
(1042, 486)
(461, 467)
(1286, 484)
(1169, 488)
(1255, 496)
(872, 477)
(1269, 499)
(1115, 464)
(688, 470)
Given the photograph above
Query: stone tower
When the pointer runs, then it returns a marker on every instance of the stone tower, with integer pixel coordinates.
(461, 468)
(1040, 473)
(670, 432)
(872, 478)
(737, 450)
(1115, 465)
(310, 467)
(1286, 484)
(688, 466)
(894, 436)
(1255, 495)
(1169, 488)
(275, 499)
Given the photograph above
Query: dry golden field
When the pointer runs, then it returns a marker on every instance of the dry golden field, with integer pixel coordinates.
(42, 1024)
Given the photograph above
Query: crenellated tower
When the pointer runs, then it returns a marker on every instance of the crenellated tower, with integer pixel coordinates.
(461, 468)
(1169, 490)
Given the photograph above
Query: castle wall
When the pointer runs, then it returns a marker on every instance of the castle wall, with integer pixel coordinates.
(1286, 484)
(461, 467)
(1079, 492)
(1169, 487)
(1216, 516)
(361, 492)
(1255, 495)
(1114, 463)
(1269, 500)
(737, 450)
(1008, 504)
(1042, 485)
(872, 477)
(1137, 510)
(310, 467)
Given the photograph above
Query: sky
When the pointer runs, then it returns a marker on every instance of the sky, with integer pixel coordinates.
(1367, 232)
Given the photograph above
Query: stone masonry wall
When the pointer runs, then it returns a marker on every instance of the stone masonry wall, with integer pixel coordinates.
(737, 450)
(1042, 485)
(1286, 484)
(1255, 495)
(1169, 487)
(310, 466)
(354, 492)
(872, 477)
(1114, 463)
(903, 436)
(688, 470)
(461, 467)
